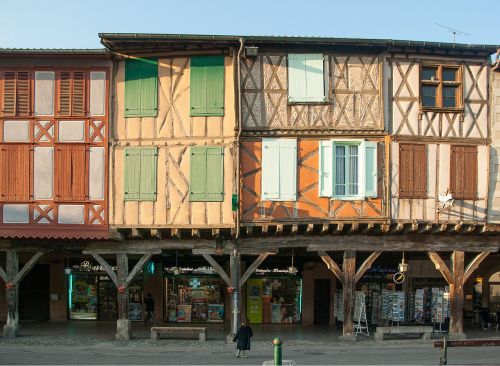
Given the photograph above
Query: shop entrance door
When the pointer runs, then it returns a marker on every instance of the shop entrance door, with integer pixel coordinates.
(321, 301)
(34, 294)
(107, 299)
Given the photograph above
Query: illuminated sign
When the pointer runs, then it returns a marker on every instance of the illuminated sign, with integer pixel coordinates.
(87, 266)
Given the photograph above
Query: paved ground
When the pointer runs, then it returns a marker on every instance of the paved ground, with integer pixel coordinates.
(91, 343)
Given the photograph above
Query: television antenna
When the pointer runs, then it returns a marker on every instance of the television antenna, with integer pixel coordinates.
(453, 31)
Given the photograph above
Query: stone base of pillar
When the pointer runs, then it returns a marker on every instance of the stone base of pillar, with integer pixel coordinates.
(123, 329)
(229, 338)
(348, 338)
(10, 330)
(457, 336)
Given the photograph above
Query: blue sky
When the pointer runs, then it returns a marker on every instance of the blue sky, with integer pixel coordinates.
(75, 24)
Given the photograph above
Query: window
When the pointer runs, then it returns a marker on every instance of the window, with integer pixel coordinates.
(141, 87)
(140, 174)
(207, 174)
(15, 176)
(441, 87)
(15, 93)
(463, 172)
(207, 85)
(412, 171)
(279, 169)
(306, 78)
(44, 93)
(348, 169)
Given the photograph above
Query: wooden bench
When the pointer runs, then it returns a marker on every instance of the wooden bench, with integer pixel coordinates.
(424, 330)
(201, 332)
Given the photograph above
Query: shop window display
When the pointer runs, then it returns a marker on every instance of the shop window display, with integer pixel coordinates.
(274, 300)
(197, 299)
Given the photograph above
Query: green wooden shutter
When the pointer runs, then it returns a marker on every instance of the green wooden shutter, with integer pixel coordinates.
(315, 82)
(215, 174)
(141, 88)
(306, 78)
(370, 169)
(325, 168)
(198, 174)
(132, 174)
(297, 87)
(147, 191)
(207, 85)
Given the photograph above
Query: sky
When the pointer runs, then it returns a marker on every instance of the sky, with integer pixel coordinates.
(75, 24)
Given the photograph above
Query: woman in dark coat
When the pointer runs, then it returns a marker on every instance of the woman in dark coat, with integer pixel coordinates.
(243, 338)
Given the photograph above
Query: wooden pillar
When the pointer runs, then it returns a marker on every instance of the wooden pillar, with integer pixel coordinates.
(123, 327)
(349, 270)
(11, 328)
(457, 293)
(235, 271)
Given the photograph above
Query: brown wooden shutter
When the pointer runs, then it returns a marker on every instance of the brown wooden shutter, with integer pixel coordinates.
(72, 93)
(70, 172)
(412, 171)
(16, 93)
(15, 168)
(463, 172)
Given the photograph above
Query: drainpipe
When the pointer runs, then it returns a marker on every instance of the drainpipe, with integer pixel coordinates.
(238, 135)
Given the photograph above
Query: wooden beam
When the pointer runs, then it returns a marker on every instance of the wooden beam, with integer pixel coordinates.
(279, 230)
(215, 233)
(331, 265)
(252, 268)
(137, 233)
(265, 229)
(123, 251)
(339, 228)
(309, 229)
(249, 230)
(349, 270)
(474, 264)
(294, 229)
(26, 268)
(425, 228)
(156, 233)
(195, 233)
(3, 275)
(441, 267)
(137, 268)
(396, 229)
(457, 293)
(115, 234)
(226, 251)
(106, 266)
(175, 233)
(366, 265)
(217, 268)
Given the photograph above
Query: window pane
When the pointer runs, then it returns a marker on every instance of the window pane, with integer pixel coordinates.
(449, 96)
(429, 95)
(353, 171)
(449, 74)
(429, 73)
(340, 170)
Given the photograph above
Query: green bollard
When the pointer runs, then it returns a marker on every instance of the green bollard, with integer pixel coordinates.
(278, 357)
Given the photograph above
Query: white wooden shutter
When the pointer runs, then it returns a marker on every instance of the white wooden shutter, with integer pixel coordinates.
(325, 168)
(297, 86)
(270, 169)
(370, 169)
(44, 93)
(288, 169)
(315, 84)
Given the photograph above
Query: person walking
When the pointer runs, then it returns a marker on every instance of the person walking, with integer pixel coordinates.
(150, 309)
(242, 337)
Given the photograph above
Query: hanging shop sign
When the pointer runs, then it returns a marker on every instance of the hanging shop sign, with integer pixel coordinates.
(286, 271)
(88, 266)
(399, 277)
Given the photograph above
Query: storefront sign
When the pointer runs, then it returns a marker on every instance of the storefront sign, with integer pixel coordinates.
(399, 277)
(274, 270)
(87, 266)
(190, 270)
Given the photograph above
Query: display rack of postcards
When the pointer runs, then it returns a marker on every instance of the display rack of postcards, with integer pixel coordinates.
(410, 307)
(398, 306)
(386, 311)
(375, 307)
(297, 304)
(339, 306)
(360, 321)
(439, 309)
(419, 306)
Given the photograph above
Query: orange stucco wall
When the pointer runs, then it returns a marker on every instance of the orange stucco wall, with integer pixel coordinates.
(308, 205)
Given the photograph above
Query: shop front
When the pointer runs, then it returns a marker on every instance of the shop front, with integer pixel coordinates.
(193, 295)
(274, 296)
(92, 295)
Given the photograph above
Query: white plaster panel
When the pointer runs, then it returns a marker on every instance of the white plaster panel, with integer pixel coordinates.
(395, 169)
(97, 93)
(15, 214)
(72, 131)
(482, 169)
(96, 173)
(444, 168)
(71, 214)
(44, 93)
(431, 170)
(43, 172)
(16, 131)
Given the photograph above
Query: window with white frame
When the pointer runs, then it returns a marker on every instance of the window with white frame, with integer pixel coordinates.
(306, 78)
(348, 169)
(279, 169)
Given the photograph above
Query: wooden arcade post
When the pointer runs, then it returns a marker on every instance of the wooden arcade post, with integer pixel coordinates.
(349, 277)
(122, 279)
(456, 278)
(12, 278)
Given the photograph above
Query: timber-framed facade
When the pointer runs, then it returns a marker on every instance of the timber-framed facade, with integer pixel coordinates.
(283, 176)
